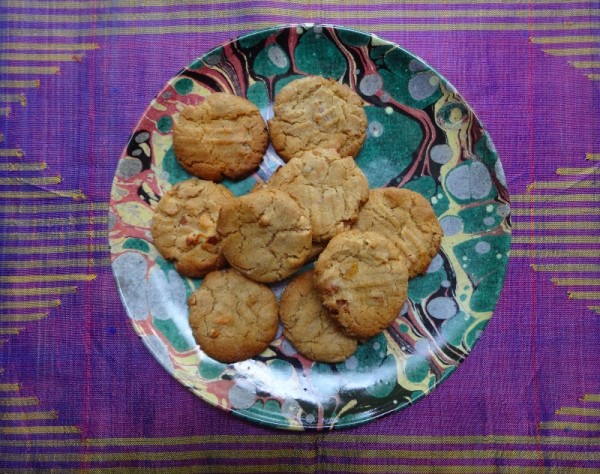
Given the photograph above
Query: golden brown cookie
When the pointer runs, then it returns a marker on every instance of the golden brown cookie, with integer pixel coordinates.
(224, 136)
(233, 318)
(265, 235)
(184, 226)
(308, 325)
(408, 220)
(330, 188)
(362, 279)
(315, 112)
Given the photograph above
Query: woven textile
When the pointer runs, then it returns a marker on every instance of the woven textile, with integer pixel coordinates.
(78, 389)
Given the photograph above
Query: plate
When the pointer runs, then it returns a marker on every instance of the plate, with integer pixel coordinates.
(421, 135)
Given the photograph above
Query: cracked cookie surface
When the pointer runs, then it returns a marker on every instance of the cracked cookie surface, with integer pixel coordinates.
(407, 219)
(308, 325)
(233, 318)
(223, 137)
(265, 235)
(315, 112)
(329, 188)
(184, 226)
(362, 279)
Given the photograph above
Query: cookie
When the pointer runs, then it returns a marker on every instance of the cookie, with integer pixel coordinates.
(265, 235)
(315, 112)
(223, 137)
(184, 226)
(362, 279)
(233, 318)
(408, 220)
(330, 188)
(308, 325)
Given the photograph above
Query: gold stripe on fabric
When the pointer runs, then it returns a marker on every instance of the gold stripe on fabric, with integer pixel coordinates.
(60, 57)
(19, 84)
(557, 239)
(451, 469)
(39, 208)
(29, 304)
(11, 152)
(575, 197)
(29, 69)
(10, 331)
(584, 183)
(29, 415)
(595, 309)
(55, 221)
(556, 211)
(21, 318)
(578, 171)
(23, 166)
(5, 111)
(76, 195)
(10, 387)
(53, 290)
(18, 250)
(16, 98)
(26, 46)
(566, 267)
(585, 64)
(556, 225)
(571, 51)
(569, 425)
(576, 281)
(592, 156)
(566, 39)
(18, 401)
(595, 253)
(47, 278)
(578, 411)
(25, 430)
(252, 25)
(584, 295)
(75, 234)
(56, 263)
(33, 181)
(331, 14)
(590, 397)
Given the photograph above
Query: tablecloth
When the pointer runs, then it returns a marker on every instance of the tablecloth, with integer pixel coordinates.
(78, 390)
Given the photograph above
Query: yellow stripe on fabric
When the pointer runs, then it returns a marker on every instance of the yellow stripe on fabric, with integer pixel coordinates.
(29, 69)
(333, 14)
(585, 64)
(578, 411)
(61, 57)
(578, 171)
(584, 295)
(26, 430)
(18, 401)
(556, 225)
(11, 152)
(590, 397)
(583, 183)
(592, 156)
(29, 415)
(450, 469)
(571, 51)
(22, 318)
(75, 234)
(55, 249)
(10, 387)
(596, 309)
(53, 290)
(569, 425)
(595, 253)
(55, 221)
(19, 84)
(557, 211)
(566, 39)
(17, 98)
(5, 111)
(252, 25)
(40, 166)
(39, 208)
(76, 195)
(10, 331)
(56, 263)
(566, 267)
(557, 239)
(576, 281)
(26, 46)
(34, 181)
(29, 304)
(552, 198)
(47, 278)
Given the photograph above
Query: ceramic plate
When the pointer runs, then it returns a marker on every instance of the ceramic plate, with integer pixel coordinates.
(421, 135)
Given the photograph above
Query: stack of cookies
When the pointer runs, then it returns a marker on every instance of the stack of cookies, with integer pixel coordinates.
(367, 243)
